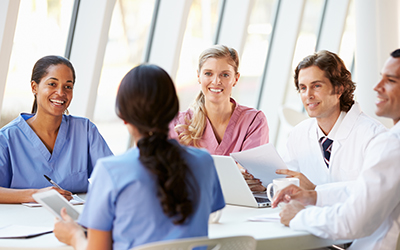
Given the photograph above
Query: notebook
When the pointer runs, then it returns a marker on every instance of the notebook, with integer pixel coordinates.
(234, 187)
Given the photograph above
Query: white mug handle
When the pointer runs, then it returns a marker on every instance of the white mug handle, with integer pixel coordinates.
(269, 191)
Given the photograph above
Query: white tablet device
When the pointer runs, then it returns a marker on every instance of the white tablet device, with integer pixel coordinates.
(54, 202)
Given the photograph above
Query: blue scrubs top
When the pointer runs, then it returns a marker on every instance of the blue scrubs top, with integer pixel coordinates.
(24, 159)
(122, 197)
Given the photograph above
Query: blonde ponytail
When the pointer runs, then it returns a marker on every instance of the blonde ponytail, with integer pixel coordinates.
(192, 130)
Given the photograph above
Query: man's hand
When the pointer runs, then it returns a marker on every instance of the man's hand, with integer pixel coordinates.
(289, 211)
(293, 192)
(304, 181)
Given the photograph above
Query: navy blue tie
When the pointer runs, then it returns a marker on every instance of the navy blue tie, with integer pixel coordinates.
(326, 148)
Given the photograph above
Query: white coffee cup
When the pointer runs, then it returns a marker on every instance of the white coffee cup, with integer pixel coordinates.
(281, 183)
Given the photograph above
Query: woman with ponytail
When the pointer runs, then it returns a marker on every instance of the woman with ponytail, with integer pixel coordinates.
(47, 141)
(156, 191)
(215, 121)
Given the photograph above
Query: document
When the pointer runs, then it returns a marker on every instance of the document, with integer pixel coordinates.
(76, 200)
(261, 162)
(271, 217)
(17, 231)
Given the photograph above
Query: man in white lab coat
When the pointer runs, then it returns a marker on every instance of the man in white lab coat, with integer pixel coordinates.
(337, 126)
(369, 209)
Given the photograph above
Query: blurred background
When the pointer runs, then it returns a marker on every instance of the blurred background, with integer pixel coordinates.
(106, 38)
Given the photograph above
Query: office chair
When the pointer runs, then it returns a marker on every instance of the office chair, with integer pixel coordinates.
(226, 243)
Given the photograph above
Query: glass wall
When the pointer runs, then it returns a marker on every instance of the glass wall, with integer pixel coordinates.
(348, 43)
(127, 39)
(255, 52)
(42, 29)
(305, 46)
(43, 25)
(199, 35)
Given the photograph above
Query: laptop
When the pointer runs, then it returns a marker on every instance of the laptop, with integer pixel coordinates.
(234, 187)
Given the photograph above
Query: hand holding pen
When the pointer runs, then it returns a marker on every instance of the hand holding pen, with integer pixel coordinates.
(65, 193)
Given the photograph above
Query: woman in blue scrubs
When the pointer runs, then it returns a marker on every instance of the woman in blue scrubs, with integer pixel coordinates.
(48, 142)
(159, 190)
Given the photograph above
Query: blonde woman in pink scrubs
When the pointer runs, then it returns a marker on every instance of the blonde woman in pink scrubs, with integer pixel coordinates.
(216, 121)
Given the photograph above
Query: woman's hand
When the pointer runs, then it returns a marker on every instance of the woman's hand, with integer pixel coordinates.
(304, 181)
(253, 183)
(67, 230)
(67, 194)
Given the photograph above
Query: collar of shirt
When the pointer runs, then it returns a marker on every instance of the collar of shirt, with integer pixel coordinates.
(335, 128)
(331, 134)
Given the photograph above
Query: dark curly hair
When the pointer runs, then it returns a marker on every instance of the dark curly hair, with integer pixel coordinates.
(147, 99)
(335, 71)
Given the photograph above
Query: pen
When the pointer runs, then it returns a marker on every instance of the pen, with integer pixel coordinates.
(74, 196)
(52, 182)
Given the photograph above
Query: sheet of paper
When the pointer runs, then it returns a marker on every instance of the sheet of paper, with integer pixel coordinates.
(271, 217)
(261, 162)
(31, 204)
(17, 231)
(76, 200)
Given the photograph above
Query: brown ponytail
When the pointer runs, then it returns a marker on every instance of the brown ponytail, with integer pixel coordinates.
(147, 99)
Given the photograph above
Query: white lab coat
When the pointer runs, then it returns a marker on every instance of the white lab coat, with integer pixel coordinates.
(371, 213)
(304, 153)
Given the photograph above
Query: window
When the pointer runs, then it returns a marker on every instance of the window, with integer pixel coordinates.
(305, 46)
(42, 29)
(127, 39)
(348, 43)
(199, 35)
(255, 53)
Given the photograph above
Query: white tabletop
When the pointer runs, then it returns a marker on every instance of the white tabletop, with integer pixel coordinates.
(271, 235)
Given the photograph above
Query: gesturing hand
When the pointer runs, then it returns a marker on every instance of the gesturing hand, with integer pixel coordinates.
(293, 192)
(289, 211)
(304, 181)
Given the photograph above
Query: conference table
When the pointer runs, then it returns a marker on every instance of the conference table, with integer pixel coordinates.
(233, 222)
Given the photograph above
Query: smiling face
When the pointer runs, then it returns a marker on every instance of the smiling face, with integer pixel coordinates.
(217, 77)
(317, 94)
(388, 90)
(54, 91)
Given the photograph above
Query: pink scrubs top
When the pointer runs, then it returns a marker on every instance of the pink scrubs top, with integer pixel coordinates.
(246, 129)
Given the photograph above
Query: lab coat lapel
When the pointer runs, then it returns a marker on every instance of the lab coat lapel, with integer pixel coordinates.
(346, 127)
(315, 146)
